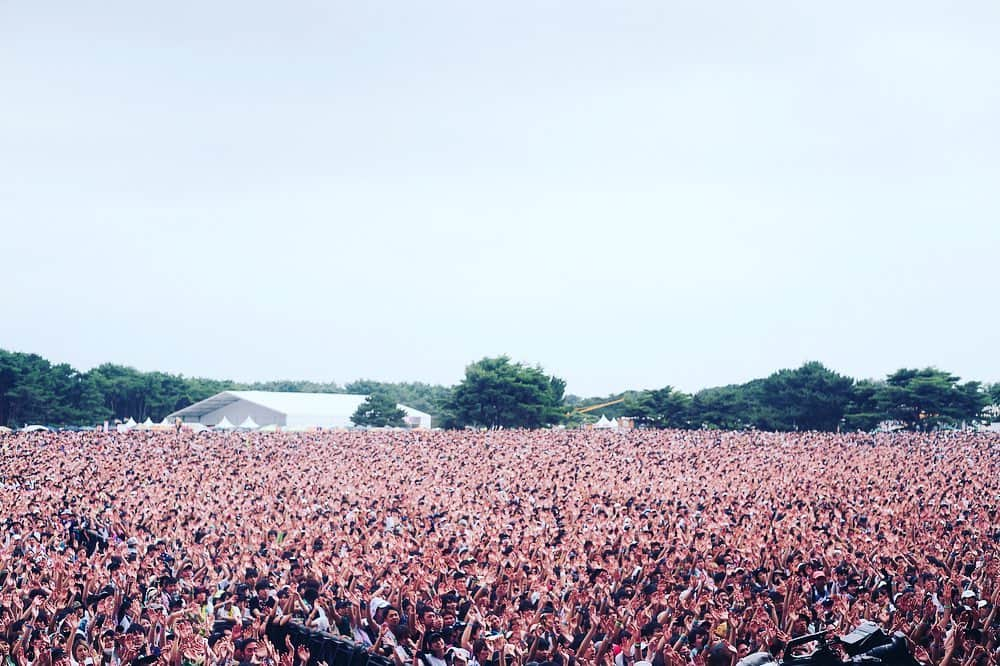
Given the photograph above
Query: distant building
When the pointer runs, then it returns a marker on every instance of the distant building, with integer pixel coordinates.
(286, 410)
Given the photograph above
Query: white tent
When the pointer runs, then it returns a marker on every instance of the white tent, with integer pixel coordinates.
(224, 424)
(34, 428)
(614, 424)
(145, 425)
(271, 427)
(603, 424)
(315, 410)
(129, 422)
(248, 424)
(4, 430)
(196, 427)
(166, 421)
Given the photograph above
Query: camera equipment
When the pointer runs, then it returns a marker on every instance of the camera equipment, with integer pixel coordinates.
(866, 644)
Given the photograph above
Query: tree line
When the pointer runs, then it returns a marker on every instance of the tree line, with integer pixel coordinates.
(497, 392)
(812, 397)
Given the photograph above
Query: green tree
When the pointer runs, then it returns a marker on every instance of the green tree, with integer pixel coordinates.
(28, 397)
(994, 394)
(862, 411)
(164, 394)
(929, 398)
(32, 390)
(724, 407)
(76, 399)
(578, 414)
(624, 408)
(10, 372)
(663, 408)
(808, 398)
(200, 388)
(128, 392)
(124, 389)
(429, 398)
(294, 386)
(378, 411)
(498, 393)
(991, 412)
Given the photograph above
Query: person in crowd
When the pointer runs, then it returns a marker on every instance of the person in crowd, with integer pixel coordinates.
(658, 548)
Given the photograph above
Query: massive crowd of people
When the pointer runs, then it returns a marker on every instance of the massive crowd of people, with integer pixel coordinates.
(560, 548)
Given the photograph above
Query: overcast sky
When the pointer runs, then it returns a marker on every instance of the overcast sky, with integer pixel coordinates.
(631, 194)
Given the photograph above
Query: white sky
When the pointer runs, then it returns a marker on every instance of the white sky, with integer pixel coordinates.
(632, 194)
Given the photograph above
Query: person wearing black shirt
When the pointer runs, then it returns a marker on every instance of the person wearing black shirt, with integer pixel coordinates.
(261, 604)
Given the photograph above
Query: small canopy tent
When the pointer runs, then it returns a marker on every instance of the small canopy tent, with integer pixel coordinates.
(248, 424)
(224, 424)
(34, 428)
(603, 424)
(163, 426)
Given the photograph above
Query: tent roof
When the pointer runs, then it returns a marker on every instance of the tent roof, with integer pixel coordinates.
(286, 403)
(605, 424)
(224, 424)
(248, 422)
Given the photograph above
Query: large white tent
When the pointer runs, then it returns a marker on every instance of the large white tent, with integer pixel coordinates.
(290, 411)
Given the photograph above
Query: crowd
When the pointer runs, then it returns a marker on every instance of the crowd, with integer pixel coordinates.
(558, 548)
